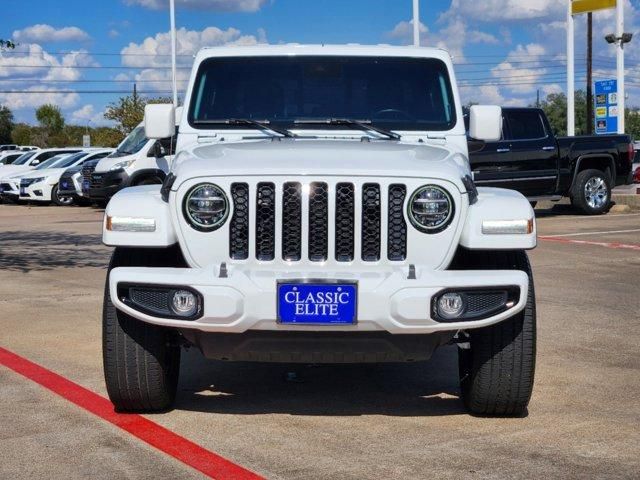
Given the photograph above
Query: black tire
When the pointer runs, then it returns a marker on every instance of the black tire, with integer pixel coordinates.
(153, 180)
(497, 371)
(61, 201)
(141, 361)
(597, 205)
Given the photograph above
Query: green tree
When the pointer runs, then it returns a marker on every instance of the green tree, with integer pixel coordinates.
(106, 136)
(555, 107)
(21, 134)
(50, 118)
(7, 45)
(128, 111)
(6, 124)
(632, 122)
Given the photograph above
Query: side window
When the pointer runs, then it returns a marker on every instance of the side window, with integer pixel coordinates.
(525, 125)
(97, 156)
(169, 145)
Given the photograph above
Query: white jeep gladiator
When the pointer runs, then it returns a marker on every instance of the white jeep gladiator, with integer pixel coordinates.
(320, 209)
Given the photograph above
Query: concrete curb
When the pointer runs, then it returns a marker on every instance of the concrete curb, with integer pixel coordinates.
(631, 200)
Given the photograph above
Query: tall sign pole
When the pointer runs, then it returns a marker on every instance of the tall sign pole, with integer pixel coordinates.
(172, 8)
(620, 63)
(590, 73)
(416, 23)
(571, 98)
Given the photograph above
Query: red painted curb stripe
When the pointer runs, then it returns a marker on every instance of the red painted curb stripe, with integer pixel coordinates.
(165, 440)
(614, 245)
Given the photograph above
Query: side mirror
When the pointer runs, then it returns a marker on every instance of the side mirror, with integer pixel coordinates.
(485, 123)
(159, 120)
(35, 162)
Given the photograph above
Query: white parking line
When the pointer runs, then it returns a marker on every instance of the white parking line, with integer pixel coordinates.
(592, 233)
(586, 217)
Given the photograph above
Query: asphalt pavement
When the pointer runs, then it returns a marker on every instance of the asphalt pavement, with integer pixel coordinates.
(332, 422)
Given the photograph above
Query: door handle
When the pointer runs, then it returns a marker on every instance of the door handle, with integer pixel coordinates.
(503, 150)
(548, 149)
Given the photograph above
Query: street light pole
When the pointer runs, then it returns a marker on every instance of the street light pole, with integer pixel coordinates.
(571, 101)
(172, 8)
(620, 63)
(416, 23)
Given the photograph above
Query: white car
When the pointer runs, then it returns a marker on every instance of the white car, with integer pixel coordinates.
(320, 209)
(10, 184)
(42, 184)
(30, 160)
(9, 156)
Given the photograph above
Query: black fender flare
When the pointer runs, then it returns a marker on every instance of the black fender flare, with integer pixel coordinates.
(147, 172)
(607, 157)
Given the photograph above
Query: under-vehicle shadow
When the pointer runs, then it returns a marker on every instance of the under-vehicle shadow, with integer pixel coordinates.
(416, 389)
(24, 251)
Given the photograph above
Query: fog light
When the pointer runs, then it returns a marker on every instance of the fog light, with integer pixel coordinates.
(451, 305)
(184, 303)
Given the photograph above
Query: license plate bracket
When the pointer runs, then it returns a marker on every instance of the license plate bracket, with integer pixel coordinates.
(317, 302)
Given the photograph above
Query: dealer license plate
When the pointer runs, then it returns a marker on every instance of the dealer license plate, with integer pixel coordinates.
(318, 303)
(23, 191)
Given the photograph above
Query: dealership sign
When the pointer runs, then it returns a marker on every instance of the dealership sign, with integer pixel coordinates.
(606, 107)
(586, 6)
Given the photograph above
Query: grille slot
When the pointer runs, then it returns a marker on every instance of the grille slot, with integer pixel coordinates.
(397, 226)
(292, 222)
(155, 300)
(318, 222)
(239, 227)
(345, 216)
(265, 221)
(371, 219)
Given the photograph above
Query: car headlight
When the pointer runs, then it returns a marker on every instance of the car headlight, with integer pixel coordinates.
(431, 209)
(37, 180)
(206, 207)
(122, 165)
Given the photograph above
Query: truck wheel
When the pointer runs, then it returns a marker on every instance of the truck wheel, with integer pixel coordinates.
(60, 200)
(141, 361)
(497, 370)
(591, 192)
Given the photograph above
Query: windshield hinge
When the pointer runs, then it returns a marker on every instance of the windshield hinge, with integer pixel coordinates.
(207, 138)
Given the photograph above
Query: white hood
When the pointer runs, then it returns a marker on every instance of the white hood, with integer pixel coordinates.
(9, 170)
(322, 158)
(47, 172)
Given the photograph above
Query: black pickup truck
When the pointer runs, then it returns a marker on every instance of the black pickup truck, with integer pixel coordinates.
(531, 160)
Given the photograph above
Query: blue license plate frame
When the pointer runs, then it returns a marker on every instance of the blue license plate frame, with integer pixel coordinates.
(293, 307)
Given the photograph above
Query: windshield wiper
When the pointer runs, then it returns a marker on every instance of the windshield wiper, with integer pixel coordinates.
(362, 124)
(262, 125)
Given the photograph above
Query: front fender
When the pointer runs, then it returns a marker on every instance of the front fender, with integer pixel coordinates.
(145, 203)
(498, 204)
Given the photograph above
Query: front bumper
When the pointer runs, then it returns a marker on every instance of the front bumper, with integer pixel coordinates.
(38, 192)
(105, 185)
(388, 301)
(9, 191)
(70, 187)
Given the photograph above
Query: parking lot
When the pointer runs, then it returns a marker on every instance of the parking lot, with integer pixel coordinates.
(347, 422)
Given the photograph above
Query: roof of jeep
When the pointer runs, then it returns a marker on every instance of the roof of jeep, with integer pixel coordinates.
(263, 50)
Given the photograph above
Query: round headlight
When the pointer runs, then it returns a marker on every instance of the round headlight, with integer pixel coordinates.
(206, 207)
(431, 209)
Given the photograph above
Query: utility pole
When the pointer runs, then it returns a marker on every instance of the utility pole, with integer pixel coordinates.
(135, 94)
(590, 73)
(416, 23)
(538, 99)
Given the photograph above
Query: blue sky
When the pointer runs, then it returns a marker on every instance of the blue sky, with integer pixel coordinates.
(505, 50)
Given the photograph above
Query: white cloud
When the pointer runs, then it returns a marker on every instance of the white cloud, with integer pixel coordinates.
(452, 37)
(113, 33)
(155, 52)
(214, 5)
(32, 62)
(522, 79)
(17, 101)
(500, 10)
(43, 33)
(87, 115)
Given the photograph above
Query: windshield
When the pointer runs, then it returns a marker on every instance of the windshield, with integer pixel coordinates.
(23, 158)
(132, 144)
(70, 160)
(52, 161)
(391, 93)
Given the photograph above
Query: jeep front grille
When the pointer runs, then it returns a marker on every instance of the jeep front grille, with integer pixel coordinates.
(296, 221)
